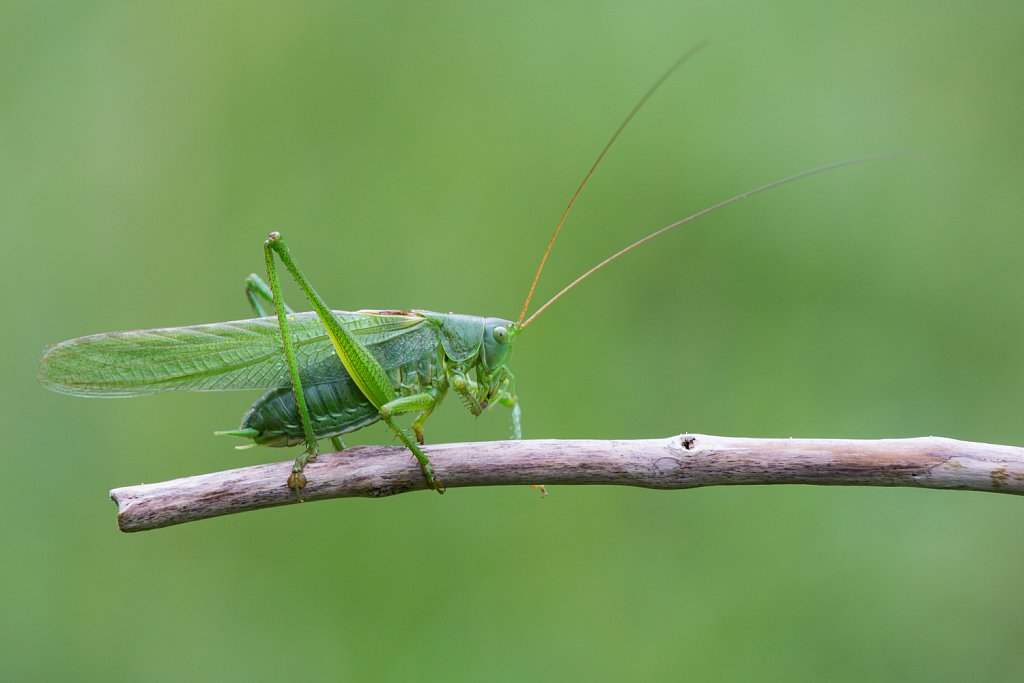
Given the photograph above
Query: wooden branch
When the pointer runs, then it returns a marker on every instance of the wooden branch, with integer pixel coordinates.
(679, 462)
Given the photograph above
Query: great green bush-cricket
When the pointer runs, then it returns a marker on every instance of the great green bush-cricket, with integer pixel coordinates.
(326, 373)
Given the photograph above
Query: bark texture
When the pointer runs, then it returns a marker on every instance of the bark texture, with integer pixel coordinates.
(678, 462)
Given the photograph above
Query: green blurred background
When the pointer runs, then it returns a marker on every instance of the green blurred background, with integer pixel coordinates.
(417, 156)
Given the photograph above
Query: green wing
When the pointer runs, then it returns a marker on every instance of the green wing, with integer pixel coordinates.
(245, 354)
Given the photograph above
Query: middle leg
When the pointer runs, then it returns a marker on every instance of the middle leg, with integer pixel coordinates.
(425, 403)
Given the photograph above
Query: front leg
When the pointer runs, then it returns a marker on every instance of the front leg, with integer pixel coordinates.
(468, 390)
(512, 402)
(507, 398)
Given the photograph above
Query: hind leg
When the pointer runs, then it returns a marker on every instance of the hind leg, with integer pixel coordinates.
(260, 294)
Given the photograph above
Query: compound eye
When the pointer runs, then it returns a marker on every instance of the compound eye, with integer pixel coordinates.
(500, 334)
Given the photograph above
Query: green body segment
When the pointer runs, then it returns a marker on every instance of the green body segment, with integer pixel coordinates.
(336, 403)
(335, 407)
(412, 347)
(324, 373)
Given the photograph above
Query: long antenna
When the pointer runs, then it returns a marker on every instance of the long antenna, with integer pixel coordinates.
(715, 207)
(622, 126)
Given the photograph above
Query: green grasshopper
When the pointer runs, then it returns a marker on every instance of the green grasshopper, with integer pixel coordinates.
(326, 373)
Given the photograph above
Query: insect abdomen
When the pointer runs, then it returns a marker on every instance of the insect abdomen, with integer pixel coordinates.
(336, 404)
(335, 407)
